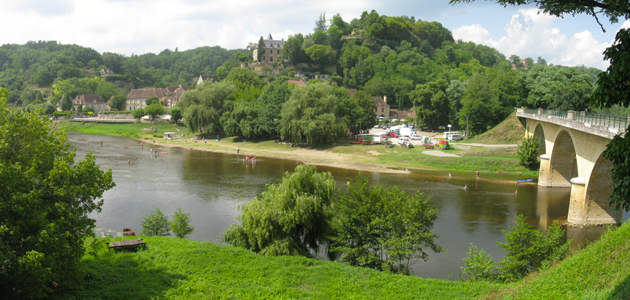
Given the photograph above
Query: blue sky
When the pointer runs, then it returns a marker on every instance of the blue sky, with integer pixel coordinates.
(141, 26)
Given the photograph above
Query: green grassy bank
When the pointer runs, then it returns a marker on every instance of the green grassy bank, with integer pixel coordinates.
(173, 268)
(340, 153)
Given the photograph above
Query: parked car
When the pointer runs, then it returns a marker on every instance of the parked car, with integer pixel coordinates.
(376, 126)
(416, 137)
(403, 140)
(392, 134)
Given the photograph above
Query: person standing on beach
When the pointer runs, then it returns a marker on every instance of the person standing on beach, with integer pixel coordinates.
(477, 174)
(238, 149)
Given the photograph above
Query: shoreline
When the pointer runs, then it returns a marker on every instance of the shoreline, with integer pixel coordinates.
(378, 168)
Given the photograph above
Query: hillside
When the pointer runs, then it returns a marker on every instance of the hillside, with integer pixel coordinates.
(173, 268)
(510, 131)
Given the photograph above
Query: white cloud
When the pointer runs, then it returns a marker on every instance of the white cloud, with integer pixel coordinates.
(531, 34)
(474, 33)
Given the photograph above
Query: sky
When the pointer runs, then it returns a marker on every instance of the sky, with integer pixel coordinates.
(141, 26)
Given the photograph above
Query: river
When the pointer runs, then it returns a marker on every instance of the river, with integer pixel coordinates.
(210, 186)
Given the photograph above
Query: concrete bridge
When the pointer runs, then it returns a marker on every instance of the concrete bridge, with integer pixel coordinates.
(571, 147)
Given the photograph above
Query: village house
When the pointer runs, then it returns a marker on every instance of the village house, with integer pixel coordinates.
(272, 50)
(137, 97)
(89, 101)
(175, 94)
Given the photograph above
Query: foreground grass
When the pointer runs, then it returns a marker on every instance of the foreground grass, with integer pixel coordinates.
(174, 268)
(342, 151)
(600, 271)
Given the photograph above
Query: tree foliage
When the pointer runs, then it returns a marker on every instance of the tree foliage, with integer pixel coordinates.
(155, 224)
(381, 228)
(432, 104)
(118, 102)
(289, 218)
(138, 113)
(204, 106)
(176, 114)
(154, 110)
(44, 208)
(180, 225)
(528, 153)
(526, 250)
(310, 115)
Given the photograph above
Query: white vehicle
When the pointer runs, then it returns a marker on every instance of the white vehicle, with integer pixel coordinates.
(453, 135)
(406, 131)
(379, 138)
(416, 137)
(401, 140)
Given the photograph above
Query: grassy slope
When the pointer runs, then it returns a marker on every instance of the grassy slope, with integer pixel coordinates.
(394, 157)
(510, 131)
(174, 268)
(600, 271)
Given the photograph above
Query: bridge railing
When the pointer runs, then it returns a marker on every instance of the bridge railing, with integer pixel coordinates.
(615, 121)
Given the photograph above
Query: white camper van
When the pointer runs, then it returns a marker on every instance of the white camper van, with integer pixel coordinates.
(453, 136)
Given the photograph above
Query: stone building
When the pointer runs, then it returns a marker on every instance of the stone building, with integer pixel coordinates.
(273, 49)
(137, 97)
(89, 101)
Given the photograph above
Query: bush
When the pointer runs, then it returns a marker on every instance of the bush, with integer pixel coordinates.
(181, 224)
(156, 223)
(526, 250)
(528, 153)
(138, 113)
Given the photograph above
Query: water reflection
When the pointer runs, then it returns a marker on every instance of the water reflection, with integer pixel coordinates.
(211, 186)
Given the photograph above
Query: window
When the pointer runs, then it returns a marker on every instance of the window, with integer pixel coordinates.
(271, 58)
(382, 109)
(142, 100)
(264, 58)
(278, 51)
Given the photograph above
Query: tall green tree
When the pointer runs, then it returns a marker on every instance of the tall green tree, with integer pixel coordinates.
(383, 229)
(293, 50)
(44, 209)
(180, 225)
(310, 115)
(431, 104)
(261, 48)
(289, 218)
(176, 114)
(321, 23)
(154, 110)
(66, 103)
(204, 106)
(321, 54)
(118, 102)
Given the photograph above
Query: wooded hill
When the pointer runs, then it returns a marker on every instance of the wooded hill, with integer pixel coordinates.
(414, 63)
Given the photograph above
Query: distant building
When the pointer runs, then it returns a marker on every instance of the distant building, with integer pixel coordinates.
(175, 94)
(211, 78)
(137, 97)
(89, 101)
(382, 108)
(273, 49)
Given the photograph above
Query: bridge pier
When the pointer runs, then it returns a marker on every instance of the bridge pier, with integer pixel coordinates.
(548, 176)
(590, 209)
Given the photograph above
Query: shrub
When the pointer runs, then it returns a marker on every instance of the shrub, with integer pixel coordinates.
(528, 153)
(479, 265)
(181, 224)
(156, 223)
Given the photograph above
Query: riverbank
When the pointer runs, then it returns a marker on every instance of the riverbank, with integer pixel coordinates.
(496, 163)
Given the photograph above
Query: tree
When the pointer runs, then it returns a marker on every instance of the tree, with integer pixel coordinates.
(176, 114)
(528, 153)
(289, 218)
(66, 103)
(310, 115)
(320, 23)
(241, 77)
(431, 104)
(261, 48)
(154, 110)
(152, 100)
(556, 87)
(118, 102)
(180, 225)
(138, 113)
(293, 50)
(383, 229)
(155, 224)
(204, 106)
(44, 210)
(321, 54)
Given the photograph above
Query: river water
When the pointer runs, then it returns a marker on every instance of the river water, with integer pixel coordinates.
(211, 186)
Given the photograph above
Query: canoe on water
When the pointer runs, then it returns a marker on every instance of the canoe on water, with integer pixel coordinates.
(524, 180)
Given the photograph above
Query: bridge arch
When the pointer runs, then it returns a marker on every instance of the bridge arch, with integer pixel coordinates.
(563, 164)
(594, 207)
(539, 136)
